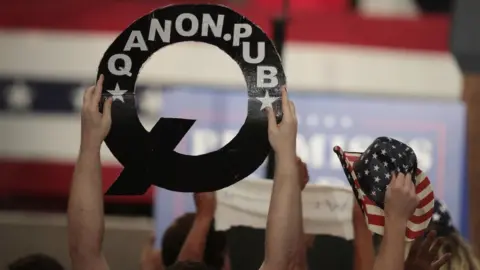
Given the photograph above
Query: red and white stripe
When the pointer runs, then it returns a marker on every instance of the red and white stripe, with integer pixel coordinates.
(375, 215)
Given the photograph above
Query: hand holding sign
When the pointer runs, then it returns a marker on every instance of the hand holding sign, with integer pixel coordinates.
(150, 158)
(95, 125)
(283, 136)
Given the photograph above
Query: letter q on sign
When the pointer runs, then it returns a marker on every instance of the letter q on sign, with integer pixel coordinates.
(140, 151)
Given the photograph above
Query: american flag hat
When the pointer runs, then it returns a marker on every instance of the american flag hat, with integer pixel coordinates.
(369, 173)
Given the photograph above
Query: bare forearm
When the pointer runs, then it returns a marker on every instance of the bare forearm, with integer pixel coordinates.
(301, 263)
(301, 247)
(285, 215)
(85, 208)
(194, 246)
(363, 244)
(392, 248)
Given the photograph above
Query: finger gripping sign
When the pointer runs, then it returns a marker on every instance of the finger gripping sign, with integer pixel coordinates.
(150, 157)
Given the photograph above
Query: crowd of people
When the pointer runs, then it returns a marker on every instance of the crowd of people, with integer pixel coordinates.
(191, 241)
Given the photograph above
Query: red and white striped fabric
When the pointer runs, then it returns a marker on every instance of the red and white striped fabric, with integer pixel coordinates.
(375, 215)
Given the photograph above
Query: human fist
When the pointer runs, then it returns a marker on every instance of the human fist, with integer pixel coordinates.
(206, 203)
(95, 125)
(401, 199)
(283, 136)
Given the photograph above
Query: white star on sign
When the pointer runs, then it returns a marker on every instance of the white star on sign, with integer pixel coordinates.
(436, 217)
(266, 101)
(117, 94)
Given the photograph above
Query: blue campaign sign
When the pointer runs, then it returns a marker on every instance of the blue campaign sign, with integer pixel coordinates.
(434, 129)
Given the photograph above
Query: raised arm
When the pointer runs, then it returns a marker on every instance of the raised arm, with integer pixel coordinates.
(400, 203)
(85, 207)
(284, 222)
(302, 247)
(363, 242)
(194, 247)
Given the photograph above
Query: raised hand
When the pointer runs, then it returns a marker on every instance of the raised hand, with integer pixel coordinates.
(423, 254)
(284, 236)
(401, 199)
(95, 125)
(400, 203)
(193, 248)
(283, 136)
(206, 203)
(86, 196)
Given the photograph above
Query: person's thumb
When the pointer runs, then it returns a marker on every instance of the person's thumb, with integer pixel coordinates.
(107, 110)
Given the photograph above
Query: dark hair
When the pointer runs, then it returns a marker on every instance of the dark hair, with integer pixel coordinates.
(188, 265)
(176, 234)
(36, 262)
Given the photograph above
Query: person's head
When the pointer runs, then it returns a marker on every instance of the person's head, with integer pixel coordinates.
(36, 262)
(462, 256)
(175, 235)
(188, 266)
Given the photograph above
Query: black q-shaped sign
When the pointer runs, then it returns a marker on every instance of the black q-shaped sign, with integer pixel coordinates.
(149, 157)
